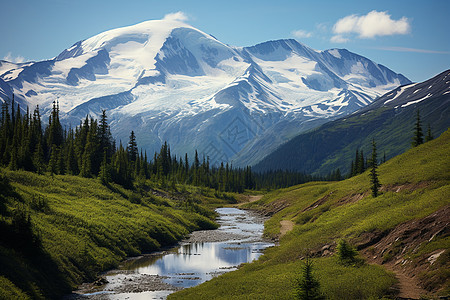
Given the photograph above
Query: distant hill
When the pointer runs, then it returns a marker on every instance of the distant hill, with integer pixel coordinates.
(389, 120)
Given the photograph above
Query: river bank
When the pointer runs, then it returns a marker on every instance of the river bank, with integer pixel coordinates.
(204, 255)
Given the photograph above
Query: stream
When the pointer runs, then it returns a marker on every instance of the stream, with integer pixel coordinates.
(204, 255)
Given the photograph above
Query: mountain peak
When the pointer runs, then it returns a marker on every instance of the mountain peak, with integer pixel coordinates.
(163, 77)
(281, 48)
(147, 32)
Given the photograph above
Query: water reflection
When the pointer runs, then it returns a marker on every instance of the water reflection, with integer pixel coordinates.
(196, 262)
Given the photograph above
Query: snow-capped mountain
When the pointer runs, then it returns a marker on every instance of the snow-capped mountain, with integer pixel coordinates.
(169, 81)
(390, 120)
(411, 94)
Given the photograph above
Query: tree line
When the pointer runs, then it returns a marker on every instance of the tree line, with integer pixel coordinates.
(359, 164)
(89, 150)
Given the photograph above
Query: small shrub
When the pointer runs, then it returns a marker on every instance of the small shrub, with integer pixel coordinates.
(307, 287)
(39, 203)
(346, 253)
(135, 198)
(304, 218)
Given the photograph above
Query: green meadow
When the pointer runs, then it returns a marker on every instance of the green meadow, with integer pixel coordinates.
(325, 212)
(62, 230)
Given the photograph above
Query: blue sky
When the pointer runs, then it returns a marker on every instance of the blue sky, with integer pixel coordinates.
(410, 37)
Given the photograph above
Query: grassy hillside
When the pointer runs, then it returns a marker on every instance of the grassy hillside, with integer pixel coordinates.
(414, 201)
(56, 232)
(333, 145)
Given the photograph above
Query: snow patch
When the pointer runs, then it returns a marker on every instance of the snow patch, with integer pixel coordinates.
(399, 92)
(417, 101)
(335, 53)
(11, 74)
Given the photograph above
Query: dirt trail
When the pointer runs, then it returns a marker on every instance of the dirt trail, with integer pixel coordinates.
(286, 226)
(408, 286)
(253, 198)
(249, 199)
(390, 249)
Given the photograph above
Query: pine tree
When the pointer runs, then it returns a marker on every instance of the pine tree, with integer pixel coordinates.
(105, 171)
(53, 162)
(54, 129)
(105, 137)
(346, 253)
(429, 135)
(36, 127)
(27, 147)
(121, 167)
(357, 161)
(142, 173)
(81, 134)
(196, 160)
(308, 288)
(71, 159)
(13, 115)
(155, 164)
(38, 158)
(13, 162)
(61, 164)
(164, 157)
(186, 167)
(418, 134)
(352, 169)
(361, 163)
(5, 135)
(137, 167)
(375, 183)
(90, 159)
(132, 148)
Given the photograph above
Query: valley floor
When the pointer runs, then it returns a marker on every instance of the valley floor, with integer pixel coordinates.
(402, 236)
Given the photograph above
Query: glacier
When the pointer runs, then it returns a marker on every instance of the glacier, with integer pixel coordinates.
(169, 81)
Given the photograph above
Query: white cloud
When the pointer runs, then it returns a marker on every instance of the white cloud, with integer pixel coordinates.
(338, 39)
(322, 27)
(404, 49)
(18, 59)
(177, 16)
(301, 34)
(375, 23)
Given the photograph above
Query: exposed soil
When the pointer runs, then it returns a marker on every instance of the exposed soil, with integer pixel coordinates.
(396, 250)
(286, 226)
(406, 186)
(317, 203)
(351, 198)
(384, 188)
(408, 286)
(249, 198)
(253, 198)
(274, 207)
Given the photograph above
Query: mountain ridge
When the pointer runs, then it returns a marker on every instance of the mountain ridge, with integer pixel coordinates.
(389, 120)
(164, 79)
